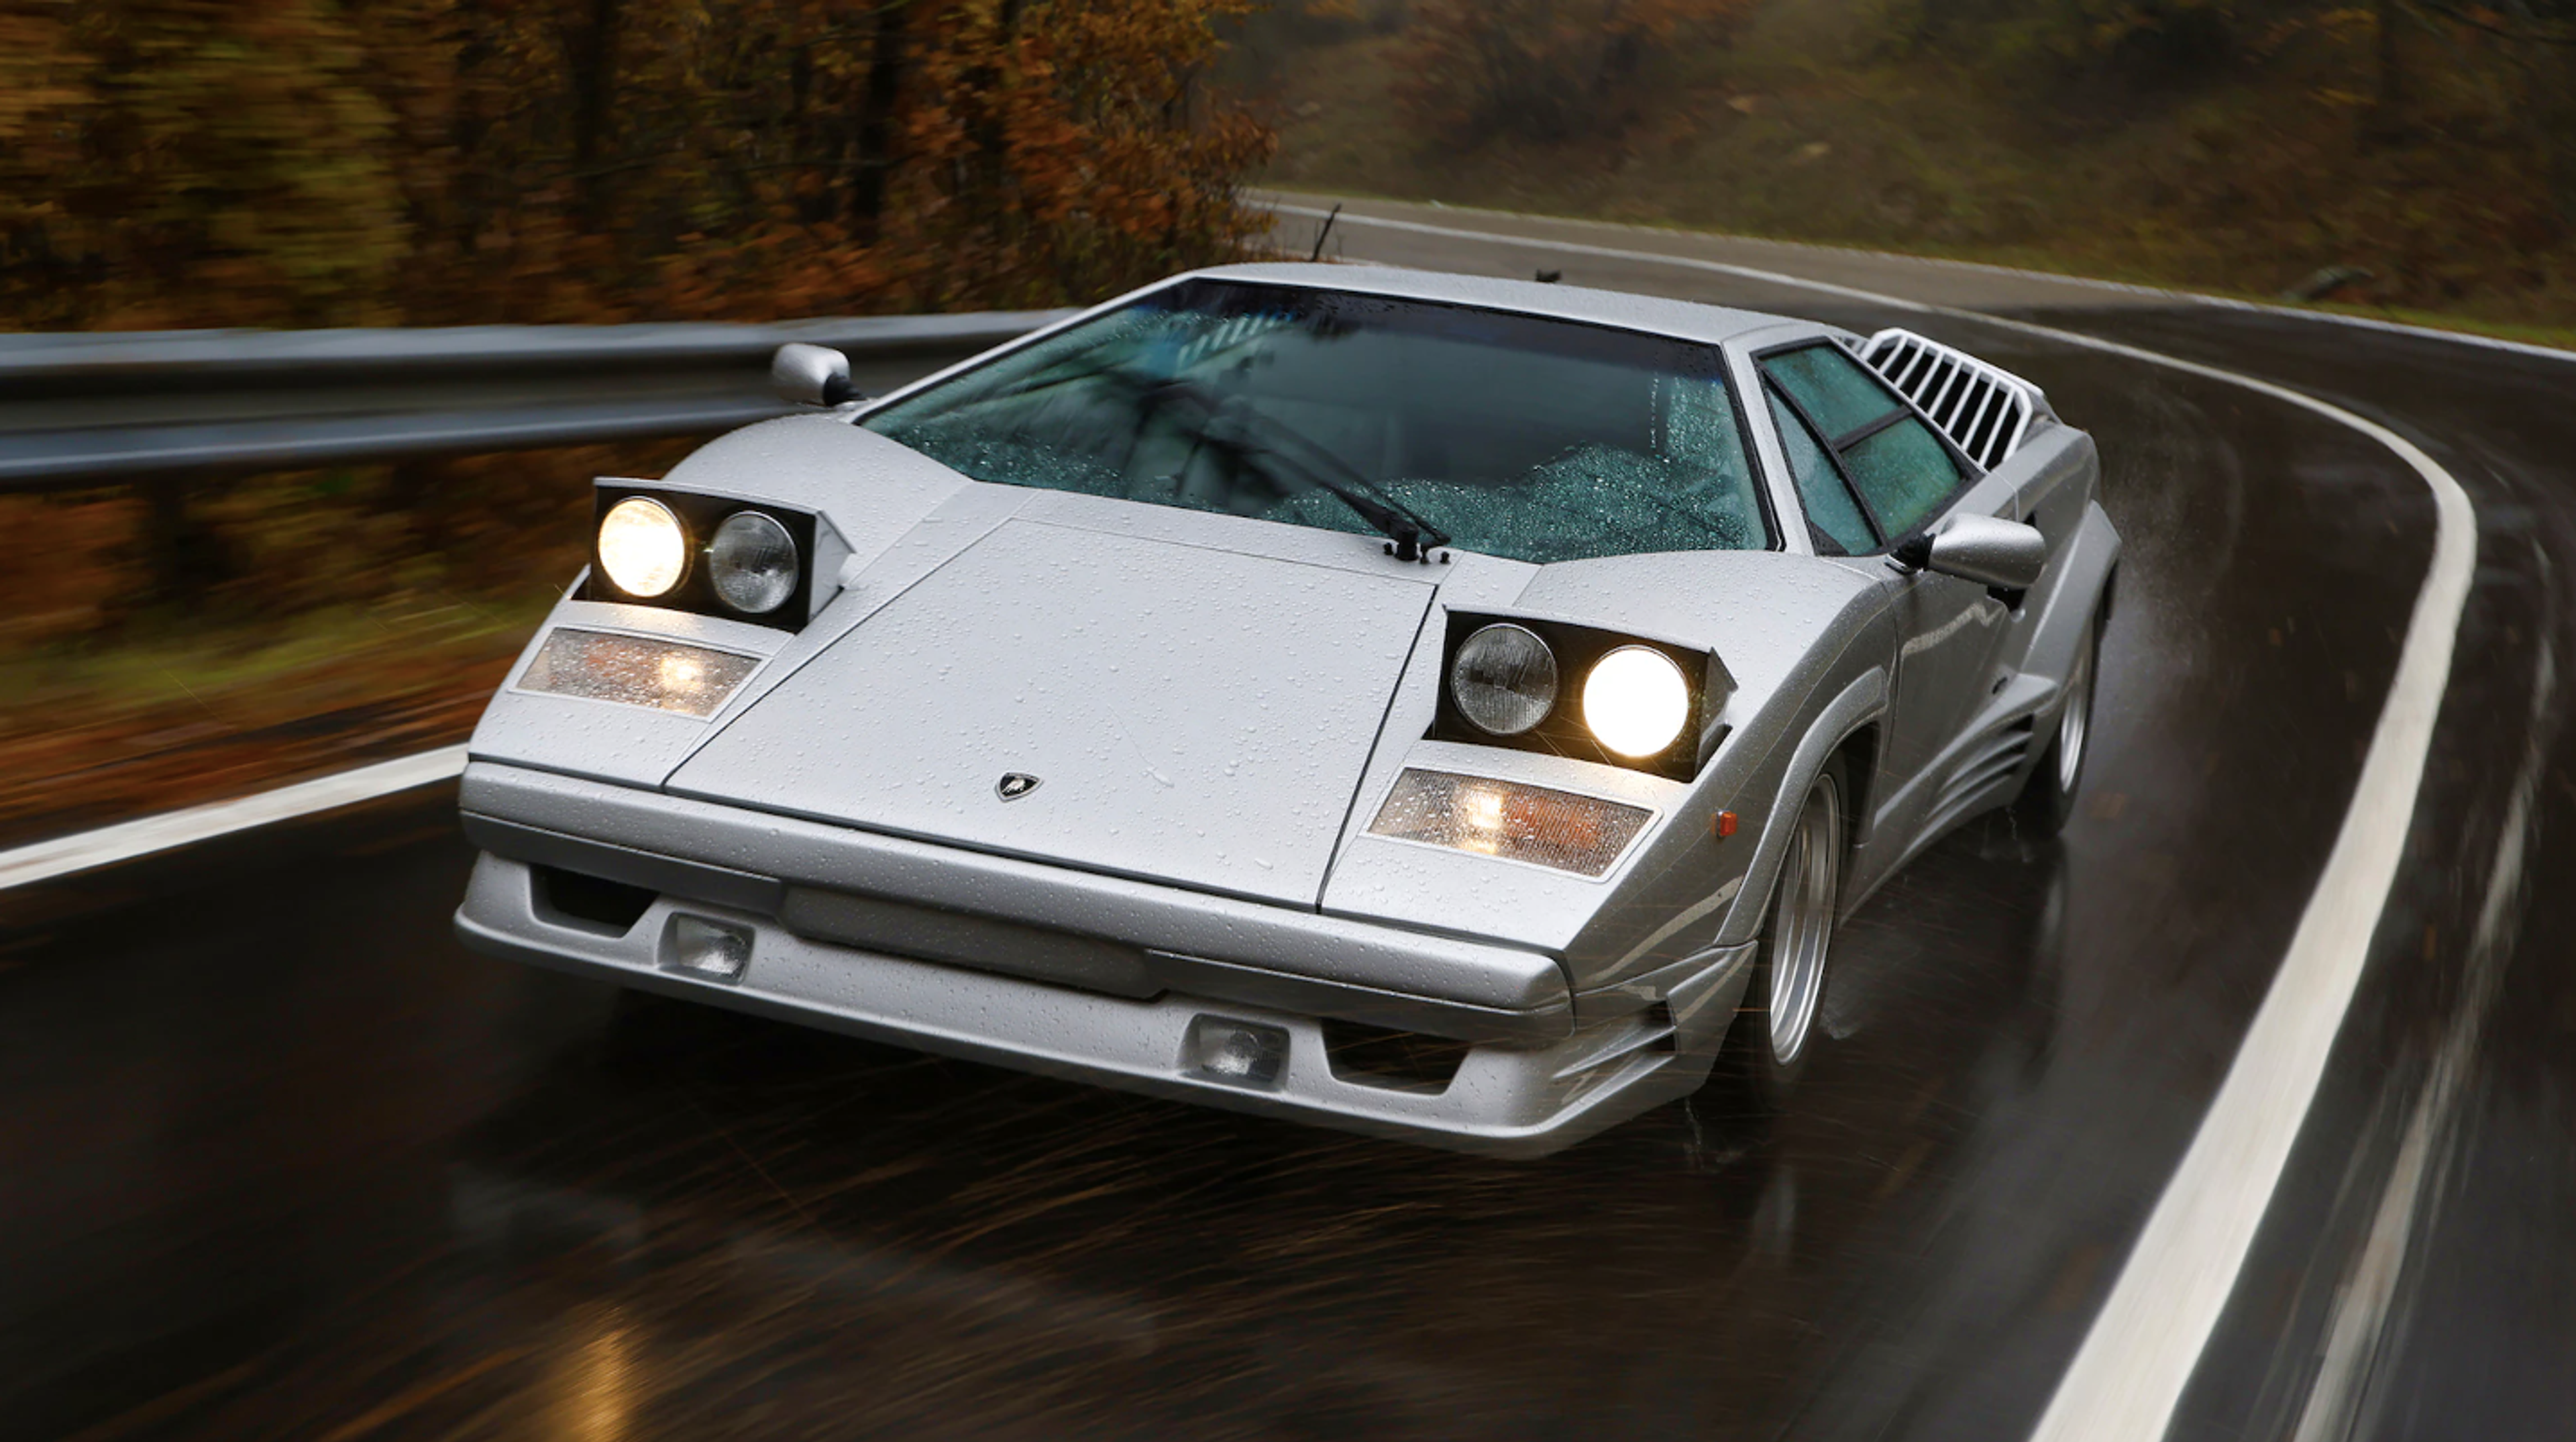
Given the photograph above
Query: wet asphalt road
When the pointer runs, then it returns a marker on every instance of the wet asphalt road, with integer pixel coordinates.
(282, 1160)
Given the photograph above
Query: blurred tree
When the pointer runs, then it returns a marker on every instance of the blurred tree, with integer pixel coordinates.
(303, 162)
(1059, 142)
(198, 162)
(293, 162)
(1541, 69)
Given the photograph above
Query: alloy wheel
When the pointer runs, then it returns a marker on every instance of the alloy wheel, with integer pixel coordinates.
(1803, 926)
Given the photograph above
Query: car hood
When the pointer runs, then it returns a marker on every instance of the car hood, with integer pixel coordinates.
(1189, 714)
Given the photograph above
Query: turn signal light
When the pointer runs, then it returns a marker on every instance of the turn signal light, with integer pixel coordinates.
(1558, 829)
(635, 671)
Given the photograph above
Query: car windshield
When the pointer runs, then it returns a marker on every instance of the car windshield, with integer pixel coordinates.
(1514, 435)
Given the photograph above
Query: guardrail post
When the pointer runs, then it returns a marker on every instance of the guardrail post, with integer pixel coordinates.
(183, 556)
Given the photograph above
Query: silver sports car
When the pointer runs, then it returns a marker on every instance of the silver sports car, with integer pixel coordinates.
(1448, 708)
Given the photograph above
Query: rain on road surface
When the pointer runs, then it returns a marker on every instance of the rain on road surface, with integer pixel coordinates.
(286, 1161)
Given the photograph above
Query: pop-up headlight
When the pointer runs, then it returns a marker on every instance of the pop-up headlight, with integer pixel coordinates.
(712, 555)
(1626, 700)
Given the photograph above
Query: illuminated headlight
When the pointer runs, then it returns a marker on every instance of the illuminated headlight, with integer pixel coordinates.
(1581, 834)
(1504, 679)
(643, 548)
(752, 563)
(636, 671)
(1636, 701)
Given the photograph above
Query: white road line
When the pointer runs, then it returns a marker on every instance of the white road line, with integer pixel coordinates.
(110, 844)
(2131, 1370)
(2118, 287)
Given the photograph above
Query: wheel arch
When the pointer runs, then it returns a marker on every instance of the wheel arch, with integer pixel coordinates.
(2082, 589)
(1859, 754)
(1851, 719)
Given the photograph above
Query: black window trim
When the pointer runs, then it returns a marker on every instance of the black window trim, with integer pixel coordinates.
(1855, 437)
(1969, 471)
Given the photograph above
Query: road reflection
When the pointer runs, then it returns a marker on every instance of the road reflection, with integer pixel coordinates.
(689, 1210)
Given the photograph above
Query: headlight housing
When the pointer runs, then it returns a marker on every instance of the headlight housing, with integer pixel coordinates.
(712, 555)
(1623, 700)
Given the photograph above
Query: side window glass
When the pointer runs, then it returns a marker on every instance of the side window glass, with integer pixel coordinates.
(1899, 470)
(1904, 471)
(1828, 503)
(1832, 388)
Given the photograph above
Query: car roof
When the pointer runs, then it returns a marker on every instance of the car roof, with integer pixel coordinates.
(1680, 319)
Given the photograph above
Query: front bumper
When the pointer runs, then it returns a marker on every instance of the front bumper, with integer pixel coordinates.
(1097, 979)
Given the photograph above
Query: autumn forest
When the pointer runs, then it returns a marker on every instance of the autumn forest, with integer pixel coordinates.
(423, 162)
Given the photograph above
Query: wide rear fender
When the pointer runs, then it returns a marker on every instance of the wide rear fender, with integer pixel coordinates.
(2075, 587)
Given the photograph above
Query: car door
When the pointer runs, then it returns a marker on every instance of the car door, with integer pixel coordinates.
(1872, 474)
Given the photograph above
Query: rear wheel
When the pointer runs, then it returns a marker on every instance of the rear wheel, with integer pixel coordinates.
(2047, 800)
(1780, 1022)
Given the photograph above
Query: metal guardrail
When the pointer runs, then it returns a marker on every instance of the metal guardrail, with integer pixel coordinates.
(113, 408)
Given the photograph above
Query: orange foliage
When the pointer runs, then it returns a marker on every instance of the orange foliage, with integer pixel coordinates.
(284, 162)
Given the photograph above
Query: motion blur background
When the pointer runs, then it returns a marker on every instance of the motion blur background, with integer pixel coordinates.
(169, 164)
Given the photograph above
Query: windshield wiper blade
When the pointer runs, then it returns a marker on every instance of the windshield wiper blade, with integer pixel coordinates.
(1413, 535)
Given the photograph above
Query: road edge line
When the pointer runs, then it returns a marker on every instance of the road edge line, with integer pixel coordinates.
(2143, 1346)
(125, 841)
(2122, 287)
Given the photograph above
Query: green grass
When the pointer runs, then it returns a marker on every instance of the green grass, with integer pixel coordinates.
(269, 669)
(2239, 188)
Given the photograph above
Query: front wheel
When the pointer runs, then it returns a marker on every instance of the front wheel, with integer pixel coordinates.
(2047, 800)
(1780, 1022)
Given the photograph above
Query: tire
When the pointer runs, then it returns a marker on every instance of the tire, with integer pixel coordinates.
(1780, 1021)
(2047, 800)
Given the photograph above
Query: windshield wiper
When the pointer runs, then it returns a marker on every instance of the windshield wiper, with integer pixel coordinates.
(1281, 448)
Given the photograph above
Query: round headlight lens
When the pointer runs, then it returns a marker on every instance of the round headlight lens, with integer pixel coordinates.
(642, 547)
(1504, 679)
(752, 563)
(1636, 701)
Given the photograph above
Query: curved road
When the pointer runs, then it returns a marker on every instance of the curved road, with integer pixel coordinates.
(284, 1161)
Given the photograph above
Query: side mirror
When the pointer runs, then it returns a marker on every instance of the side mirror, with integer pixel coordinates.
(2005, 555)
(811, 375)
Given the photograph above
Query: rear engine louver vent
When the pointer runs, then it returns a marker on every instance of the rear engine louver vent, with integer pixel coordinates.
(1984, 411)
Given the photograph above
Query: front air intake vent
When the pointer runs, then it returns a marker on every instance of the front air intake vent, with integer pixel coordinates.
(1408, 1061)
(592, 903)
